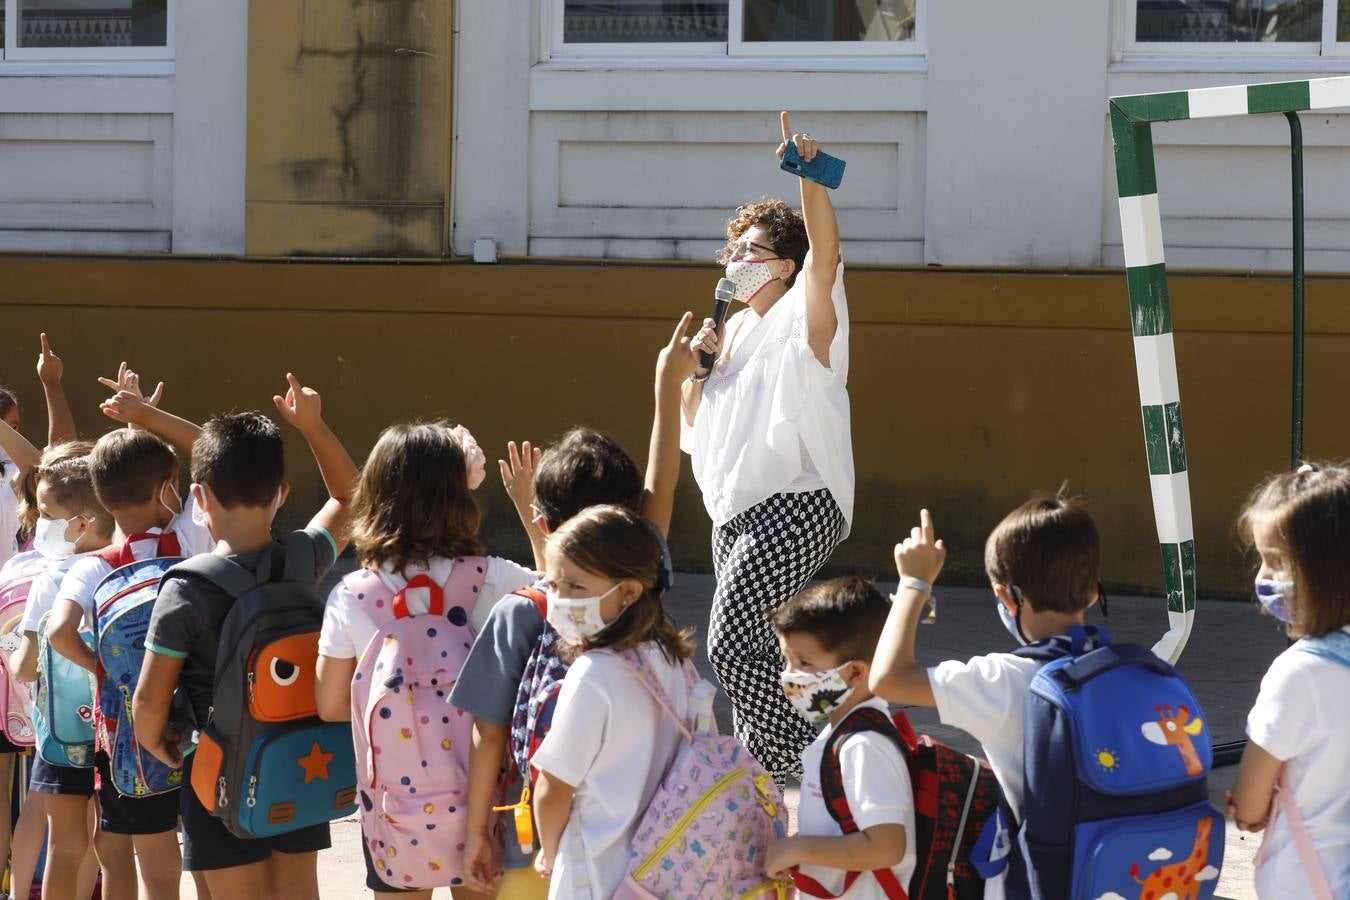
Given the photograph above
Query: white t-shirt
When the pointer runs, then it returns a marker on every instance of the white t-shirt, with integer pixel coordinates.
(876, 784)
(43, 591)
(613, 743)
(347, 629)
(770, 406)
(986, 697)
(9, 516)
(1298, 719)
(81, 581)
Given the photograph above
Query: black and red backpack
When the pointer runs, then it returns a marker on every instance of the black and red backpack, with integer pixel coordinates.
(953, 796)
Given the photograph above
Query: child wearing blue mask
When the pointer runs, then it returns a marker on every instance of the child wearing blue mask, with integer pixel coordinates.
(1042, 561)
(1299, 523)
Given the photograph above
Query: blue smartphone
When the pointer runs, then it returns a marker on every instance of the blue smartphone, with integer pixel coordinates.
(822, 169)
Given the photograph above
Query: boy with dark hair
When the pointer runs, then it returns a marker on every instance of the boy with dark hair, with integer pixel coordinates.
(1042, 561)
(828, 634)
(238, 474)
(134, 475)
(585, 469)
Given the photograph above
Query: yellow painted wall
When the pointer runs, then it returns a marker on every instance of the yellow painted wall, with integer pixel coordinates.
(348, 128)
(970, 389)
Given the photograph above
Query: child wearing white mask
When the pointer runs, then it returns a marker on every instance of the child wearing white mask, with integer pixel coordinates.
(609, 744)
(71, 526)
(828, 634)
(1293, 781)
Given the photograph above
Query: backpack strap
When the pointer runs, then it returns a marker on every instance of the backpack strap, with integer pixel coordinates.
(860, 720)
(465, 584)
(1284, 806)
(535, 595)
(633, 662)
(119, 555)
(221, 571)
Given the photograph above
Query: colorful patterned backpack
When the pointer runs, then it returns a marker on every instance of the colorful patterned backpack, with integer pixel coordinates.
(707, 829)
(63, 709)
(1116, 759)
(412, 746)
(16, 701)
(540, 682)
(123, 602)
(954, 795)
(265, 762)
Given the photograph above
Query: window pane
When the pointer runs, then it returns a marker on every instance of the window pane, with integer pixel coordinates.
(1229, 20)
(1343, 21)
(643, 22)
(829, 20)
(93, 23)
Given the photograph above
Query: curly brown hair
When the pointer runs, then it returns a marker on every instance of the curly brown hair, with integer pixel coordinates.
(413, 501)
(783, 224)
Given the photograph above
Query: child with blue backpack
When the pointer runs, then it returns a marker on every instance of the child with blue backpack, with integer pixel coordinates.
(1101, 749)
(135, 475)
(610, 744)
(510, 681)
(1293, 781)
(415, 529)
(71, 526)
(238, 484)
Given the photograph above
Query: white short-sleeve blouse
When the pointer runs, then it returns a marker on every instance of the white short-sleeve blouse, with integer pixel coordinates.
(772, 418)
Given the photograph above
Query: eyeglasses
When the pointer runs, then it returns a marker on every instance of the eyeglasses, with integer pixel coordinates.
(745, 246)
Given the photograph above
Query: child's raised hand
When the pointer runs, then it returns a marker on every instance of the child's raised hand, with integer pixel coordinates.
(518, 473)
(920, 555)
(125, 407)
(302, 407)
(676, 362)
(50, 368)
(127, 380)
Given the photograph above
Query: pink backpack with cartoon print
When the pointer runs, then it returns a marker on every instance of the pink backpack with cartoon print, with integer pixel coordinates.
(412, 746)
(708, 827)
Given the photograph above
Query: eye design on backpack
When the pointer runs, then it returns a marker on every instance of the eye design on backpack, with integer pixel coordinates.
(284, 672)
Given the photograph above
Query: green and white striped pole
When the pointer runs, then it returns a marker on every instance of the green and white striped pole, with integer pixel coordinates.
(1151, 314)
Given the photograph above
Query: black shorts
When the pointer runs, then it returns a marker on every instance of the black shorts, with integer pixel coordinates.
(49, 778)
(209, 845)
(373, 880)
(119, 814)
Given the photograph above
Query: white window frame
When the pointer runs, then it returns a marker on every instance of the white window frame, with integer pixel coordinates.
(734, 48)
(1131, 49)
(13, 53)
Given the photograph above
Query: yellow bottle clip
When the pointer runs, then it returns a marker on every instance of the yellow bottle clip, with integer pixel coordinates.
(524, 820)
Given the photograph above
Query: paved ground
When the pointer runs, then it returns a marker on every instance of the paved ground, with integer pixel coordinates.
(1229, 651)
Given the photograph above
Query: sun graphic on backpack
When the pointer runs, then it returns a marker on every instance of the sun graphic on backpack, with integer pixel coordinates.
(1107, 760)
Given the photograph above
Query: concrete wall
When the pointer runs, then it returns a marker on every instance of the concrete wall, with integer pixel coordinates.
(970, 389)
(348, 128)
(992, 150)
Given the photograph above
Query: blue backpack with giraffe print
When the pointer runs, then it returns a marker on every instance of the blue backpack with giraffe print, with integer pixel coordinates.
(1116, 758)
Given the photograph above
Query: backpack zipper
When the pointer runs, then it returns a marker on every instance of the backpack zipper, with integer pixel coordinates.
(780, 889)
(961, 829)
(690, 814)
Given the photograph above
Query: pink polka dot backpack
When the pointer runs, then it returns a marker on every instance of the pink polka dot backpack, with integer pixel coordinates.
(412, 746)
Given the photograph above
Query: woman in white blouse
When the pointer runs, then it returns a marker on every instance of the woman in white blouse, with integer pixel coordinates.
(768, 430)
